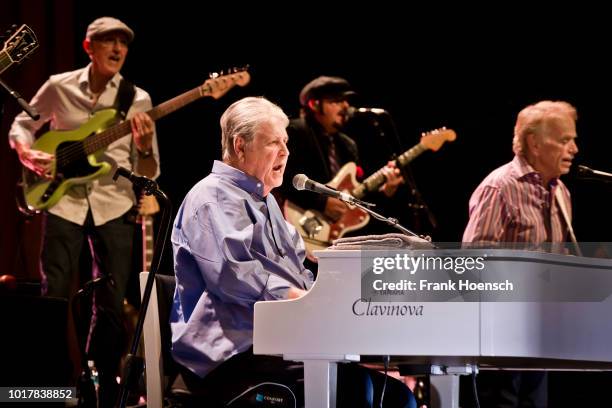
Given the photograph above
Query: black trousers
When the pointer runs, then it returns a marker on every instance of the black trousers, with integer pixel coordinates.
(357, 386)
(64, 246)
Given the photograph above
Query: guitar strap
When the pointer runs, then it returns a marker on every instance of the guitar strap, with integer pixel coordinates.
(123, 101)
(125, 97)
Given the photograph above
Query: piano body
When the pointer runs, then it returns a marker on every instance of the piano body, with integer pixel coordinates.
(332, 324)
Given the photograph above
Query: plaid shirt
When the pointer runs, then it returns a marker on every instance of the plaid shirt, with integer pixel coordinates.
(512, 205)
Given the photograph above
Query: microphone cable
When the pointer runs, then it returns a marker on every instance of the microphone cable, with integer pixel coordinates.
(386, 360)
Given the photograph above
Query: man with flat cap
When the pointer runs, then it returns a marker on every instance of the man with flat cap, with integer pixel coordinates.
(93, 216)
(320, 148)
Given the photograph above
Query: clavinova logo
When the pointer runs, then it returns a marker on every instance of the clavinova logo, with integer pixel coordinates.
(366, 308)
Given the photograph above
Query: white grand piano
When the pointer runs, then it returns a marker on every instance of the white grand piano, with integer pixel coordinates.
(330, 324)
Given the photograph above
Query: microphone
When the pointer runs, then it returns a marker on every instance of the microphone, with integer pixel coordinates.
(134, 178)
(145, 183)
(588, 173)
(302, 182)
(352, 111)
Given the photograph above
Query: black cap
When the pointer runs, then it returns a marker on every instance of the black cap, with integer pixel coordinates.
(325, 87)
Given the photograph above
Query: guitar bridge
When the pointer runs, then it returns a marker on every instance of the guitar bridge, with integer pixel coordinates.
(311, 225)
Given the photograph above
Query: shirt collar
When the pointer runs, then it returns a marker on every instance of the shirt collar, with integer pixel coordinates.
(83, 78)
(248, 183)
(522, 170)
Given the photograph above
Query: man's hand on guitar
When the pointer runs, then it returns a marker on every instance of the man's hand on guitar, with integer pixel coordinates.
(35, 160)
(334, 208)
(394, 179)
(142, 131)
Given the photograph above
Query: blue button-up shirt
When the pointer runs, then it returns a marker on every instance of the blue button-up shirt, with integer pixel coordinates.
(232, 247)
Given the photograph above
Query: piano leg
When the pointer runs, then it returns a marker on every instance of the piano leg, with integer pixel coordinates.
(444, 391)
(320, 379)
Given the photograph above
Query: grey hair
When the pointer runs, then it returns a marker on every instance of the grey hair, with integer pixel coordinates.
(534, 118)
(244, 117)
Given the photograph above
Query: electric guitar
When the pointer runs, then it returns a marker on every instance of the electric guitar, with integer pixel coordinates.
(17, 47)
(318, 231)
(76, 151)
(147, 207)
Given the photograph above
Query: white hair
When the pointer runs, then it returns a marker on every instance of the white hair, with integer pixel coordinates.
(534, 118)
(244, 117)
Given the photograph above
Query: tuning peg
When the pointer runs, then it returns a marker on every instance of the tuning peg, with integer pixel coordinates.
(213, 75)
(243, 68)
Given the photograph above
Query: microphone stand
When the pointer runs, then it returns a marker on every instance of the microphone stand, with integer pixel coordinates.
(135, 364)
(397, 141)
(408, 177)
(420, 203)
(30, 110)
(387, 220)
(86, 392)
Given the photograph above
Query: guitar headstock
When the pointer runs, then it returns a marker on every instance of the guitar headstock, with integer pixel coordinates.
(19, 45)
(220, 83)
(435, 139)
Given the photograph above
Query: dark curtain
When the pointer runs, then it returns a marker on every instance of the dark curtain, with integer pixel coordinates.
(53, 24)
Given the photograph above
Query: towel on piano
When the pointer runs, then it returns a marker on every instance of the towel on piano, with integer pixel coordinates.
(385, 241)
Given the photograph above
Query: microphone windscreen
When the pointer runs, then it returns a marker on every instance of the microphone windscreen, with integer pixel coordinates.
(299, 181)
(350, 111)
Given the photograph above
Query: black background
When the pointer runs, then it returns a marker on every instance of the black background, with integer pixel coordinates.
(428, 70)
